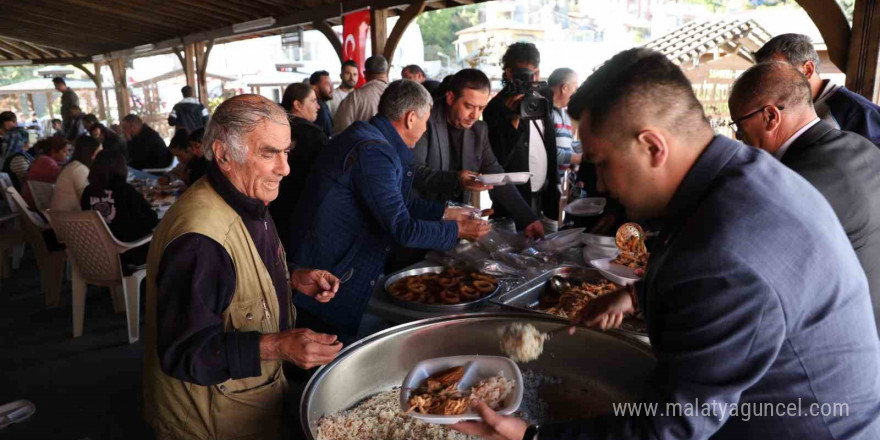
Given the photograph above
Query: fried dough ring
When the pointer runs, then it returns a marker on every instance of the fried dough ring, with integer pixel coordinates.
(450, 297)
(469, 293)
(483, 286)
(417, 288)
(397, 289)
(453, 272)
(483, 277)
(430, 276)
(446, 281)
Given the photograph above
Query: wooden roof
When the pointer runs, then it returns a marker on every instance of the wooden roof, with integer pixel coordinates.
(695, 39)
(75, 30)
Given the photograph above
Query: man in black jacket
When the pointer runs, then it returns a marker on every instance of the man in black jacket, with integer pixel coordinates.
(146, 148)
(189, 114)
(455, 150)
(772, 109)
(320, 82)
(524, 145)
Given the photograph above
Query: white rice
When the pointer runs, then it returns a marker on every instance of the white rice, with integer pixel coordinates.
(522, 342)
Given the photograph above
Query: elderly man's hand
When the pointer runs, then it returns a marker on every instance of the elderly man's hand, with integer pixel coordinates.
(304, 348)
(494, 426)
(467, 181)
(471, 229)
(318, 284)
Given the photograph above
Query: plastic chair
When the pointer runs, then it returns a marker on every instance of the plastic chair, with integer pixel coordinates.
(42, 194)
(50, 259)
(13, 229)
(94, 257)
(160, 171)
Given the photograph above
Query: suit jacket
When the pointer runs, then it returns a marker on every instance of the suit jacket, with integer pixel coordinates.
(435, 181)
(147, 150)
(855, 113)
(324, 120)
(511, 147)
(845, 168)
(356, 205)
(753, 295)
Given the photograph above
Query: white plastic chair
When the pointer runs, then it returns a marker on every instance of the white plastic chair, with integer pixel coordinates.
(94, 257)
(11, 231)
(42, 194)
(50, 261)
(165, 170)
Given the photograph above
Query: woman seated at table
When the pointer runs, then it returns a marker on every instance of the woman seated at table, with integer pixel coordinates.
(129, 216)
(46, 166)
(74, 176)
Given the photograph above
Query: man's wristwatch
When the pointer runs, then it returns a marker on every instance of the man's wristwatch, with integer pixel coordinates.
(531, 432)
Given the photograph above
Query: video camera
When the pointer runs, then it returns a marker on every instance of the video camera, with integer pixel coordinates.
(533, 105)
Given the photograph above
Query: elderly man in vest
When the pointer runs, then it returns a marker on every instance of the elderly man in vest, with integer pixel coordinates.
(220, 317)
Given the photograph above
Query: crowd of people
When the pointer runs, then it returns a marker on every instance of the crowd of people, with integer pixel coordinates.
(760, 286)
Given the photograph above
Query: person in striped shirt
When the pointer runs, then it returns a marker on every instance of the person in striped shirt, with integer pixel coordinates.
(563, 82)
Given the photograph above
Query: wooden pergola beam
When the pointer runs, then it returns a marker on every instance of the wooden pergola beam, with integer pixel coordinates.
(407, 17)
(832, 24)
(323, 27)
(864, 50)
(99, 88)
(378, 30)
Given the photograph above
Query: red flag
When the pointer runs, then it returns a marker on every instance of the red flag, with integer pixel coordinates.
(355, 29)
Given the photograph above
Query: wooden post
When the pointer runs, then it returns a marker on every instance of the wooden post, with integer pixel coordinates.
(203, 50)
(189, 55)
(96, 78)
(378, 30)
(49, 104)
(120, 82)
(403, 21)
(864, 48)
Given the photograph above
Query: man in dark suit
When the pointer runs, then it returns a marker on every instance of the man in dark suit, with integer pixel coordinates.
(772, 106)
(455, 150)
(146, 148)
(753, 295)
(320, 82)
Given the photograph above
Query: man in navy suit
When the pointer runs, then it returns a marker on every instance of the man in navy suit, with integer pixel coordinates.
(753, 294)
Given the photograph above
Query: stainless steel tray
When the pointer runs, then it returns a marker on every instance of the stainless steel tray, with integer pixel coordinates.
(463, 306)
(607, 364)
(526, 296)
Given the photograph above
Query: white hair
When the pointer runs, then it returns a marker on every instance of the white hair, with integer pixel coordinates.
(236, 117)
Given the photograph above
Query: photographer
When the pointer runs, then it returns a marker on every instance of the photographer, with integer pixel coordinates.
(525, 144)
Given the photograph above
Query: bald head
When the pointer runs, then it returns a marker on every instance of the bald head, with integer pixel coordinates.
(775, 83)
(769, 103)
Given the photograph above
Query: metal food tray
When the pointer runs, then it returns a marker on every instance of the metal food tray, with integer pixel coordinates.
(526, 296)
(434, 307)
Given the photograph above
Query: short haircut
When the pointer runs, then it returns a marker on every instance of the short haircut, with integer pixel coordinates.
(186, 91)
(521, 52)
(635, 85)
(54, 144)
(413, 68)
(56, 120)
(132, 118)
(468, 79)
(315, 78)
(8, 116)
(402, 96)
(180, 140)
(349, 63)
(59, 80)
(236, 117)
(376, 64)
(774, 83)
(84, 149)
(560, 76)
(197, 134)
(108, 166)
(89, 120)
(796, 48)
(295, 92)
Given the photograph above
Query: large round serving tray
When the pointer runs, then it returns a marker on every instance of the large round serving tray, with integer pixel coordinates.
(450, 308)
(611, 363)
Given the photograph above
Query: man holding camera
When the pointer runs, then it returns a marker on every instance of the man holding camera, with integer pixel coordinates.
(522, 132)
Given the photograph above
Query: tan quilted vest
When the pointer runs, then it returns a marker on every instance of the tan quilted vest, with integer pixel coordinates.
(249, 408)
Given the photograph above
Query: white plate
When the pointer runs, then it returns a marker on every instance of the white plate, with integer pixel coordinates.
(586, 207)
(504, 178)
(599, 240)
(477, 368)
(615, 272)
(593, 252)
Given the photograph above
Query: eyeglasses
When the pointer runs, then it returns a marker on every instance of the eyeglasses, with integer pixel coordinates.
(736, 125)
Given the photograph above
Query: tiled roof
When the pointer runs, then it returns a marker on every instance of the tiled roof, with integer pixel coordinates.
(695, 39)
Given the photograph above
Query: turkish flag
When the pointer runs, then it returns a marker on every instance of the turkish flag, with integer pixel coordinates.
(355, 30)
